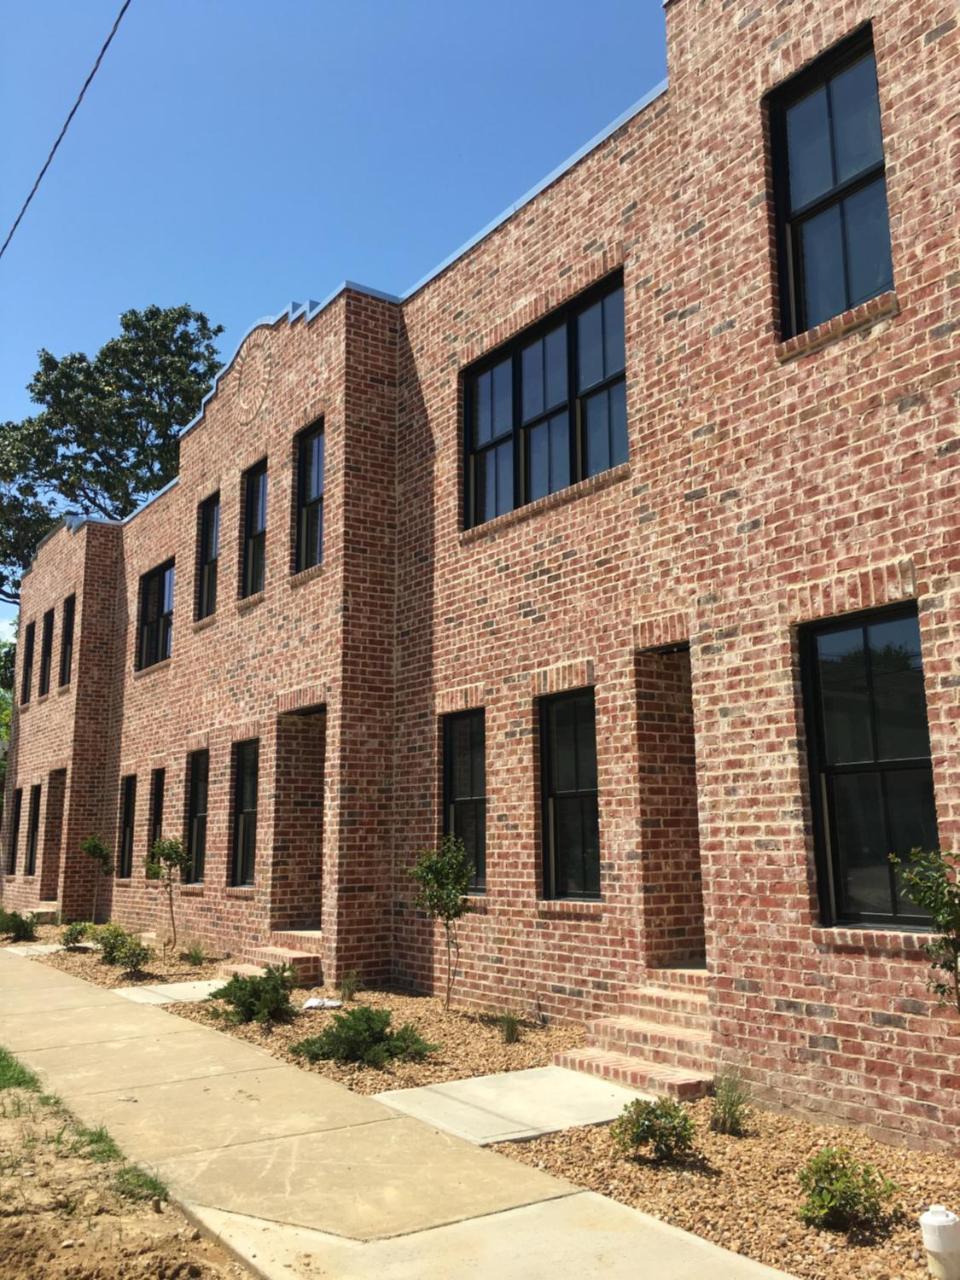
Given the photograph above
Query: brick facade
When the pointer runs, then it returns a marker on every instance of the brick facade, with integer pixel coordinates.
(769, 484)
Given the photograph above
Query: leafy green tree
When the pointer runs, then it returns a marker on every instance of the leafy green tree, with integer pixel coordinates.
(443, 877)
(106, 436)
(168, 858)
(99, 854)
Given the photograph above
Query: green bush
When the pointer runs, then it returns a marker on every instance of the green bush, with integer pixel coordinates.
(363, 1035)
(259, 998)
(931, 879)
(664, 1125)
(731, 1108)
(20, 928)
(73, 933)
(110, 938)
(133, 954)
(843, 1193)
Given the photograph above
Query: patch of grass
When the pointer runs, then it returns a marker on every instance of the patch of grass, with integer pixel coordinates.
(13, 1075)
(194, 954)
(95, 1144)
(509, 1025)
(349, 985)
(731, 1105)
(136, 1184)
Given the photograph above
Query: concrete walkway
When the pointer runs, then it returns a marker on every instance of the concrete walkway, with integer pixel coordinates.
(301, 1178)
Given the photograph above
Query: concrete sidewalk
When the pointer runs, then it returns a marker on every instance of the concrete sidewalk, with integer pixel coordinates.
(301, 1178)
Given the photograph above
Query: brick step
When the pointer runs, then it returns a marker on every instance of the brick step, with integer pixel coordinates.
(46, 913)
(686, 1007)
(679, 976)
(637, 1073)
(307, 966)
(231, 967)
(686, 1047)
(310, 940)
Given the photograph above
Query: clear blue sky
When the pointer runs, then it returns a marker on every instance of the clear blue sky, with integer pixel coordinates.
(235, 154)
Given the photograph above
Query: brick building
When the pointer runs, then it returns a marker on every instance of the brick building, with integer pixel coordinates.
(626, 545)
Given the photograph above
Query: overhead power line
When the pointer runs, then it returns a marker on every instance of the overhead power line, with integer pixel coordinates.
(66, 125)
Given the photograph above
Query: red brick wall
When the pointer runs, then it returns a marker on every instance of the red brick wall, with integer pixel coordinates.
(767, 486)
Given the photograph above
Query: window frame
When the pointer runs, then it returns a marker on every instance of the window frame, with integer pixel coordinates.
(793, 309)
(13, 837)
(127, 826)
(565, 316)
(305, 506)
(243, 876)
(550, 859)
(478, 882)
(46, 653)
(26, 672)
(33, 830)
(156, 646)
(67, 626)
(827, 855)
(254, 538)
(196, 840)
(208, 522)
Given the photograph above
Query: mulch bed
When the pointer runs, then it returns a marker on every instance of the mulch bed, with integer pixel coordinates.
(87, 964)
(470, 1044)
(46, 933)
(743, 1193)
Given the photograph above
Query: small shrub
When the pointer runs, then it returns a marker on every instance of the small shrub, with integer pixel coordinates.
(664, 1125)
(20, 928)
(509, 1025)
(349, 985)
(731, 1108)
(73, 934)
(133, 954)
(443, 876)
(259, 998)
(99, 854)
(195, 954)
(110, 938)
(843, 1193)
(363, 1035)
(167, 862)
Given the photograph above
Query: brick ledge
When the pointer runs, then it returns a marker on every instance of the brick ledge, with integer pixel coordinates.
(530, 509)
(570, 909)
(872, 941)
(868, 313)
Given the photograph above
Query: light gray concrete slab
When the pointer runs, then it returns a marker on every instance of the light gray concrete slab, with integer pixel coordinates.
(21, 971)
(24, 950)
(513, 1105)
(580, 1237)
(46, 999)
(142, 995)
(92, 1024)
(190, 992)
(188, 1054)
(153, 1122)
(366, 1182)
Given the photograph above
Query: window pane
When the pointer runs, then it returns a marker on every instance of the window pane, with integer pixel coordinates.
(168, 590)
(559, 452)
(461, 770)
(868, 243)
(532, 375)
(619, 451)
(503, 397)
(597, 437)
(313, 467)
(590, 346)
(856, 118)
(821, 242)
(482, 419)
(568, 835)
(843, 690)
(862, 850)
(504, 463)
(899, 703)
(555, 364)
(586, 745)
(808, 149)
(563, 714)
(538, 465)
(613, 346)
(213, 530)
(913, 820)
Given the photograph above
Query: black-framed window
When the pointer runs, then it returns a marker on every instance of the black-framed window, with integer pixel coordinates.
(26, 677)
(198, 784)
(46, 654)
(66, 639)
(831, 193)
(254, 529)
(310, 466)
(246, 768)
(156, 616)
(158, 784)
(465, 788)
(128, 813)
(571, 828)
(14, 834)
(869, 751)
(548, 408)
(33, 831)
(208, 555)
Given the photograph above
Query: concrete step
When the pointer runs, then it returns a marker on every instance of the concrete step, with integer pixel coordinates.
(637, 1073)
(307, 965)
(686, 1047)
(46, 913)
(310, 940)
(683, 1006)
(231, 967)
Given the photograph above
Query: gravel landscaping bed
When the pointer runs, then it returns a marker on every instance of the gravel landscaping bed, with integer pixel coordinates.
(470, 1044)
(46, 933)
(743, 1194)
(87, 964)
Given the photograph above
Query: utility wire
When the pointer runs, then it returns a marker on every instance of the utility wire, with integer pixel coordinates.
(66, 126)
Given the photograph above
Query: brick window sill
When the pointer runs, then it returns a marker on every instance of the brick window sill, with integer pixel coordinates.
(64, 689)
(143, 672)
(570, 909)
(869, 313)
(42, 698)
(559, 499)
(307, 575)
(239, 891)
(204, 624)
(191, 891)
(872, 941)
(477, 904)
(125, 883)
(251, 602)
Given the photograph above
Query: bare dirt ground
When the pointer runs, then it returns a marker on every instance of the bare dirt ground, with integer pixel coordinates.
(743, 1193)
(70, 1209)
(470, 1044)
